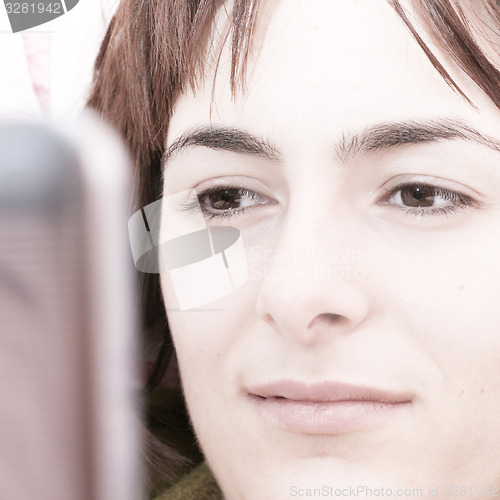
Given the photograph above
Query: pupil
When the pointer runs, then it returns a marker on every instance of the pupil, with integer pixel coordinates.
(417, 194)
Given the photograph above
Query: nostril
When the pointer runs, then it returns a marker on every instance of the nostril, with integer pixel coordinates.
(327, 319)
(333, 318)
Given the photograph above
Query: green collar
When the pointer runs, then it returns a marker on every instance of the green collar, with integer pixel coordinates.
(199, 484)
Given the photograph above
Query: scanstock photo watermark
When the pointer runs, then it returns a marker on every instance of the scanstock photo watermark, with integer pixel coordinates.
(310, 263)
(364, 491)
(24, 14)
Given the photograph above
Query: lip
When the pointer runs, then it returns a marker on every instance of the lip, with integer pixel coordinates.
(329, 408)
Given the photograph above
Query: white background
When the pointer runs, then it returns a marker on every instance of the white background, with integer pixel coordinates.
(74, 41)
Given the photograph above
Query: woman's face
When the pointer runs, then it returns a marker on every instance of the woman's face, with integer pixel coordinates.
(362, 350)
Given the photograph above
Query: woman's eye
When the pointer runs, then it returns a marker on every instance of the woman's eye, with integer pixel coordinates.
(425, 199)
(226, 202)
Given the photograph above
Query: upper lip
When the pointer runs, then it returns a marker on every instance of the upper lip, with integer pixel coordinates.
(327, 391)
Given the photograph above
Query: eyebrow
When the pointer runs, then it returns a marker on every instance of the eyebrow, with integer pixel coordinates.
(392, 134)
(225, 139)
(379, 137)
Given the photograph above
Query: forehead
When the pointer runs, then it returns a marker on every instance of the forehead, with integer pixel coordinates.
(329, 65)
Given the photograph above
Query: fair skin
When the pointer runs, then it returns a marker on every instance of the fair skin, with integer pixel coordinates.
(410, 305)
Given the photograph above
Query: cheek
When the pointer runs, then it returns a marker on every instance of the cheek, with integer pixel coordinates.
(209, 353)
(442, 298)
(206, 337)
(212, 332)
(447, 289)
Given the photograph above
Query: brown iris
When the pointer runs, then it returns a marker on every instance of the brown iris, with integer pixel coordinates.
(226, 199)
(418, 196)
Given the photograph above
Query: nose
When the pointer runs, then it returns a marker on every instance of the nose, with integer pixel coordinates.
(314, 284)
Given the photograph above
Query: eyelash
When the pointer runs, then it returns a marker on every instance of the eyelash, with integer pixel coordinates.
(457, 200)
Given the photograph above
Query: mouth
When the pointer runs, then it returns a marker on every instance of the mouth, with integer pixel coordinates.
(325, 408)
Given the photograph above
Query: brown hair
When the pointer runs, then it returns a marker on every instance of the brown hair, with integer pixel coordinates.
(154, 49)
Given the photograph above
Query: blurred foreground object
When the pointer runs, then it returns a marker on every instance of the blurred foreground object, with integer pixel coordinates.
(68, 416)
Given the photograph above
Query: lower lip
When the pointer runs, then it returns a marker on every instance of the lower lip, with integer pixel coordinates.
(324, 417)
